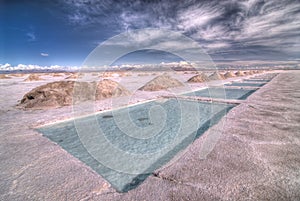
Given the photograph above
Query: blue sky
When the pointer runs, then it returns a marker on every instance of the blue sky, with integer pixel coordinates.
(65, 32)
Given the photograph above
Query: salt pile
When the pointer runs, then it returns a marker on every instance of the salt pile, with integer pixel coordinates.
(198, 78)
(216, 76)
(61, 93)
(33, 77)
(229, 74)
(161, 82)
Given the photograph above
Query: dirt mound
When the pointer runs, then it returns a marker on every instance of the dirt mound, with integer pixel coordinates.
(198, 78)
(3, 76)
(216, 76)
(239, 73)
(229, 74)
(33, 77)
(62, 93)
(161, 82)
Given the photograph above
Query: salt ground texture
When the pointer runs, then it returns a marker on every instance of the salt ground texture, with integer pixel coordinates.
(256, 157)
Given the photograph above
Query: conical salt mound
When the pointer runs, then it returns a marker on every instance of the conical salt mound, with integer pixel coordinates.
(198, 78)
(73, 76)
(17, 75)
(57, 75)
(216, 76)
(239, 73)
(3, 76)
(161, 82)
(33, 77)
(109, 88)
(62, 93)
(250, 72)
(229, 74)
(247, 73)
(51, 95)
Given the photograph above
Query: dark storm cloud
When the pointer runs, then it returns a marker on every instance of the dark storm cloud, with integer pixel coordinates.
(226, 29)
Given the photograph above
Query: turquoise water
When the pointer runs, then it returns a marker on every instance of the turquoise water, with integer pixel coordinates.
(129, 144)
(246, 84)
(257, 80)
(222, 93)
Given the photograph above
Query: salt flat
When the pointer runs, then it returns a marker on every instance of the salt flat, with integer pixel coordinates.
(255, 158)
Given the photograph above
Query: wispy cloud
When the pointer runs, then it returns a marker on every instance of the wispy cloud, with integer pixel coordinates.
(248, 26)
(44, 54)
(88, 12)
(4, 66)
(31, 36)
(197, 16)
(9, 67)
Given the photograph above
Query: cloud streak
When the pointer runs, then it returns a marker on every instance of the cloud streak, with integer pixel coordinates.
(28, 67)
(31, 36)
(249, 27)
(44, 54)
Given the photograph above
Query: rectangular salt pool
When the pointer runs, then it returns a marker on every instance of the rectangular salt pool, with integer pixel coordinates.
(222, 93)
(257, 80)
(126, 145)
(245, 84)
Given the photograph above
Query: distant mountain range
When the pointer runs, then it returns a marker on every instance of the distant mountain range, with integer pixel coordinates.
(176, 66)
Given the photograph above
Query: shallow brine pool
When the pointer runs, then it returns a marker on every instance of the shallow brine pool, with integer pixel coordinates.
(222, 93)
(257, 80)
(246, 84)
(126, 145)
